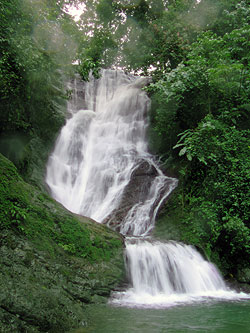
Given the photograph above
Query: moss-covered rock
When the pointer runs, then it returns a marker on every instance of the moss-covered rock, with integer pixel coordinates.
(52, 261)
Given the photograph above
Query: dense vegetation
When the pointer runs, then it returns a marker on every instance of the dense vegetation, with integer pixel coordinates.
(37, 48)
(198, 56)
(205, 102)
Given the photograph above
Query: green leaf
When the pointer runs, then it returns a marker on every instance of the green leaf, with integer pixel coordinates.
(182, 151)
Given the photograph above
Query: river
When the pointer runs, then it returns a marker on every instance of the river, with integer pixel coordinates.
(210, 316)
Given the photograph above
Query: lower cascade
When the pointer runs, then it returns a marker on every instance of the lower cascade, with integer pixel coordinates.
(169, 268)
(101, 168)
(166, 274)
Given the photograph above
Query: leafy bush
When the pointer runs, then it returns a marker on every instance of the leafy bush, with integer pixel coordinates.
(205, 101)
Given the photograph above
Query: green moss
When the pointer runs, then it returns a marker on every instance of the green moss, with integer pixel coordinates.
(52, 261)
(29, 212)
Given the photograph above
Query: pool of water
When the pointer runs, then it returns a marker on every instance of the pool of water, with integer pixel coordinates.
(209, 316)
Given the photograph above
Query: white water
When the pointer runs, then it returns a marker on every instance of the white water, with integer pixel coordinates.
(168, 274)
(99, 148)
(172, 268)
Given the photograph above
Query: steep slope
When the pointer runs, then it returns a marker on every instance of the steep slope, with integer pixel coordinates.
(52, 261)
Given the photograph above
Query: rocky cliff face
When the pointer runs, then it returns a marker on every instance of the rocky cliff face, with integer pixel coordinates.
(52, 262)
(136, 192)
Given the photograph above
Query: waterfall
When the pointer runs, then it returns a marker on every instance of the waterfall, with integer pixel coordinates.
(164, 274)
(171, 268)
(99, 147)
(101, 168)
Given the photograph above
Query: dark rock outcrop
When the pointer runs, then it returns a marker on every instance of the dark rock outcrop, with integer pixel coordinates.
(137, 191)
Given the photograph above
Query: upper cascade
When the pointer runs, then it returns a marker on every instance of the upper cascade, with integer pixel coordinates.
(101, 148)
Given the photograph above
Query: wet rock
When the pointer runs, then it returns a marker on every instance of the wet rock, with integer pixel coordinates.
(238, 286)
(136, 192)
(49, 294)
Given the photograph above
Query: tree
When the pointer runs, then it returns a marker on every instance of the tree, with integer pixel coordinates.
(36, 56)
(205, 102)
(138, 35)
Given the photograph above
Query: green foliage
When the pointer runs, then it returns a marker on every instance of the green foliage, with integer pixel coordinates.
(87, 66)
(235, 236)
(213, 79)
(139, 35)
(232, 14)
(205, 102)
(154, 35)
(37, 49)
(216, 193)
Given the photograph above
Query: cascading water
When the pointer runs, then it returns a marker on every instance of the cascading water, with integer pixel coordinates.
(99, 148)
(100, 151)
